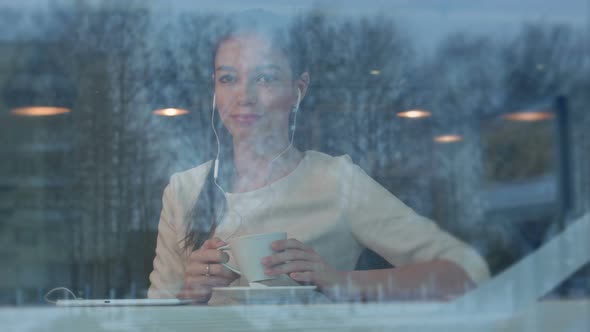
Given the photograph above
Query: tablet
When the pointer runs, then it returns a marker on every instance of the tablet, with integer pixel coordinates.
(122, 302)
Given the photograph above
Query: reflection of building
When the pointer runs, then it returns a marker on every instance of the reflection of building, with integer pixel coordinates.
(75, 208)
(36, 182)
(521, 158)
(41, 186)
(527, 195)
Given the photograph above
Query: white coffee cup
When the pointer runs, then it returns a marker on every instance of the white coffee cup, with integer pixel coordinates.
(248, 252)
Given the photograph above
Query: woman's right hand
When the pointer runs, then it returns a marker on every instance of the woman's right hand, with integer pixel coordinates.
(204, 271)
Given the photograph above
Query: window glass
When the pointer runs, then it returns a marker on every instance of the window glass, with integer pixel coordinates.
(473, 114)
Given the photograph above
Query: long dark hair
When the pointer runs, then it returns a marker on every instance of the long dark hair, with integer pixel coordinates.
(210, 204)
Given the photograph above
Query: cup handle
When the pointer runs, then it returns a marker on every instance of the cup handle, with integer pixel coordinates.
(224, 248)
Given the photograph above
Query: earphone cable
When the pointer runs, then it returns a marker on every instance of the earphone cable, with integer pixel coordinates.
(68, 291)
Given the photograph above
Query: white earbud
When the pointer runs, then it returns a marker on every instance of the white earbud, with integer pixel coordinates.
(216, 168)
(296, 108)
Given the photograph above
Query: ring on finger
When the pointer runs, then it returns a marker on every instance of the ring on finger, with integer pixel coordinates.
(207, 270)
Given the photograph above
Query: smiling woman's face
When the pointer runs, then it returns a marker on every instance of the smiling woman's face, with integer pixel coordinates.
(254, 87)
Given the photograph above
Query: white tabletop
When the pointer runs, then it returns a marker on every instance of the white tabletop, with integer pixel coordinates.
(545, 316)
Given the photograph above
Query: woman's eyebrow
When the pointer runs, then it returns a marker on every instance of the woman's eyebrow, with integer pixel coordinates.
(265, 67)
(225, 68)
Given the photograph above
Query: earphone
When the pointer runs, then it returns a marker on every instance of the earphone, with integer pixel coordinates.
(295, 110)
(293, 127)
(216, 164)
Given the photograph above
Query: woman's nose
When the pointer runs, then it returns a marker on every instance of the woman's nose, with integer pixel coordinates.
(247, 93)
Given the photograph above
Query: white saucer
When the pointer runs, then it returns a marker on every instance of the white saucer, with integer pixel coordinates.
(269, 295)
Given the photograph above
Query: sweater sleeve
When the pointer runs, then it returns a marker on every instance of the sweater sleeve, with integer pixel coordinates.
(384, 224)
(166, 279)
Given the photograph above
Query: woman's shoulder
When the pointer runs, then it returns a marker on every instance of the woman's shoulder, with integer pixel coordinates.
(318, 158)
(194, 174)
(342, 166)
(188, 183)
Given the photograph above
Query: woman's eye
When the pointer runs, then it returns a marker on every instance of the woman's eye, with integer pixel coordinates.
(227, 79)
(266, 78)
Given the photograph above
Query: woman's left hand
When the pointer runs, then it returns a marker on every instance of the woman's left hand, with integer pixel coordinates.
(302, 264)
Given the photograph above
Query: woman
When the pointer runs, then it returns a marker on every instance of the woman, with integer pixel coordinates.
(328, 206)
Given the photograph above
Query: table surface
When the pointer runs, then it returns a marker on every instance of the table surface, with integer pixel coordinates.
(565, 315)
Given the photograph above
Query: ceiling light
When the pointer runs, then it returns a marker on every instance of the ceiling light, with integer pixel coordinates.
(528, 116)
(443, 139)
(38, 111)
(171, 112)
(414, 114)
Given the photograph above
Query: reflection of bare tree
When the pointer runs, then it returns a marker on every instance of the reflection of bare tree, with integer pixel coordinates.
(544, 62)
(464, 86)
(352, 100)
(540, 63)
(363, 72)
(126, 153)
(481, 79)
(105, 52)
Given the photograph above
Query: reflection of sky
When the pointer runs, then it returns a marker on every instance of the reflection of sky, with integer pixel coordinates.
(426, 20)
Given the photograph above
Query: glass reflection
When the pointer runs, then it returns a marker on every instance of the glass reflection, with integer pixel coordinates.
(80, 195)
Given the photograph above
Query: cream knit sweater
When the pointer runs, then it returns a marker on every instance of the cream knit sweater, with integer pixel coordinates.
(327, 202)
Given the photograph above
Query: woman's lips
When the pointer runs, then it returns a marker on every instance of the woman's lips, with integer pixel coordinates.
(245, 119)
